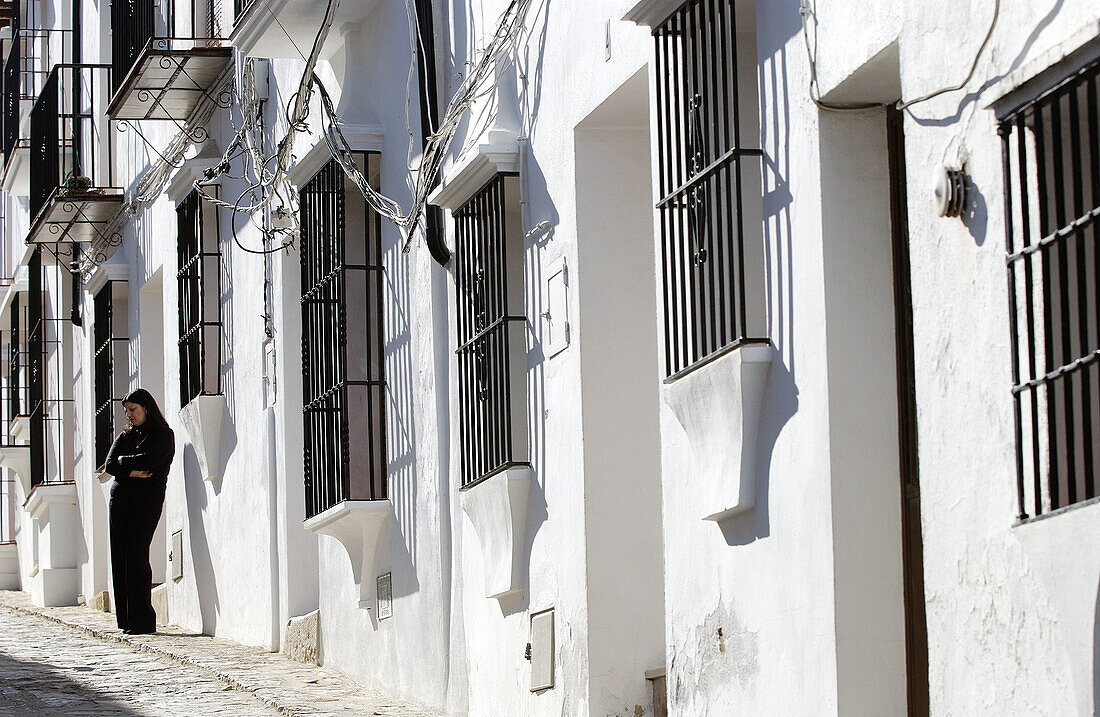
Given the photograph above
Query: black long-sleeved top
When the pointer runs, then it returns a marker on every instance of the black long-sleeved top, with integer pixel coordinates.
(140, 450)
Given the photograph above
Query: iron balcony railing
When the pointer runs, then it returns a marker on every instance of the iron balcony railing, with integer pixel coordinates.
(343, 375)
(133, 25)
(26, 70)
(70, 138)
(1051, 155)
(702, 155)
(36, 367)
(135, 30)
(163, 71)
(492, 352)
(16, 398)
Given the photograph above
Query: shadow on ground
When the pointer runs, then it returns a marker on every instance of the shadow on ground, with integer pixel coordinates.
(33, 689)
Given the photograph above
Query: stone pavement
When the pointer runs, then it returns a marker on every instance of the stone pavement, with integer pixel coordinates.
(74, 661)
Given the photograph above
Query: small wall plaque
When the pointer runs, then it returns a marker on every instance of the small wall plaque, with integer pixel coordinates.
(175, 557)
(385, 596)
(542, 650)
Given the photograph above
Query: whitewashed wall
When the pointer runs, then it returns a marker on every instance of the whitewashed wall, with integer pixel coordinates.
(791, 608)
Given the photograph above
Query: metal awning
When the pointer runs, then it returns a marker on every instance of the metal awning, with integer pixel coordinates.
(169, 78)
(79, 217)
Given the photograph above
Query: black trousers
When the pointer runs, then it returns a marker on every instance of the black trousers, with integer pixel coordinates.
(134, 513)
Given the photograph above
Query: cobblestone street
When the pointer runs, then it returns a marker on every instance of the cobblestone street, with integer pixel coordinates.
(72, 661)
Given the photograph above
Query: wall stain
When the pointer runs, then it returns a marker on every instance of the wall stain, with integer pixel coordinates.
(712, 656)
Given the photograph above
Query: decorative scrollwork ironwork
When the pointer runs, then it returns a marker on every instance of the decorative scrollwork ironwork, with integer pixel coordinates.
(225, 97)
(198, 135)
(126, 125)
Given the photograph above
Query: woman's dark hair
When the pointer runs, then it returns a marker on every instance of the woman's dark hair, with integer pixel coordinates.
(154, 419)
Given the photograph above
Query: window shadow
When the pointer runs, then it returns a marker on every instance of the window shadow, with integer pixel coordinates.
(972, 97)
(781, 393)
(201, 562)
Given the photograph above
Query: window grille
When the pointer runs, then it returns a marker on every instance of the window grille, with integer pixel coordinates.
(1051, 155)
(36, 379)
(199, 280)
(68, 137)
(343, 377)
(492, 353)
(17, 397)
(110, 360)
(711, 270)
(133, 25)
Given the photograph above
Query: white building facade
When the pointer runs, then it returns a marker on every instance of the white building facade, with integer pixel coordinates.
(743, 358)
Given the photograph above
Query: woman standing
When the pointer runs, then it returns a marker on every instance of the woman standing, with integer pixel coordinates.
(139, 460)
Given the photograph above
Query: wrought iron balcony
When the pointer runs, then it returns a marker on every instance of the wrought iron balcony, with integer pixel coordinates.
(72, 192)
(158, 76)
(26, 69)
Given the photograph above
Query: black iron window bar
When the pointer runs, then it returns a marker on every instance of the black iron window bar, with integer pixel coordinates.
(70, 142)
(702, 177)
(1051, 155)
(199, 281)
(16, 388)
(343, 374)
(58, 384)
(30, 58)
(110, 363)
(36, 367)
(239, 8)
(492, 352)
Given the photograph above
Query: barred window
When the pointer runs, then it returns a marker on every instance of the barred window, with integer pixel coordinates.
(110, 361)
(36, 366)
(16, 396)
(1052, 209)
(343, 377)
(199, 280)
(710, 184)
(492, 353)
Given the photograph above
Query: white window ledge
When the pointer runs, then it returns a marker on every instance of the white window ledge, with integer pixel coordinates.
(359, 526)
(649, 13)
(720, 406)
(203, 419)
(497, 507)
(21, 283)
(475, 168)
(183, 179)
(361, 138)
(45, 496)
(18, 460)
(17, 174)
(104, 273)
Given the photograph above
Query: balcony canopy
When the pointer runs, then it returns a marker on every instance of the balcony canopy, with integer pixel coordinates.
(169, 78)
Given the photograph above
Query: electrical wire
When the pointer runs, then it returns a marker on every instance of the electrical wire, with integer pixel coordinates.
(266, 174)
(807, 12)
(973, 67)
